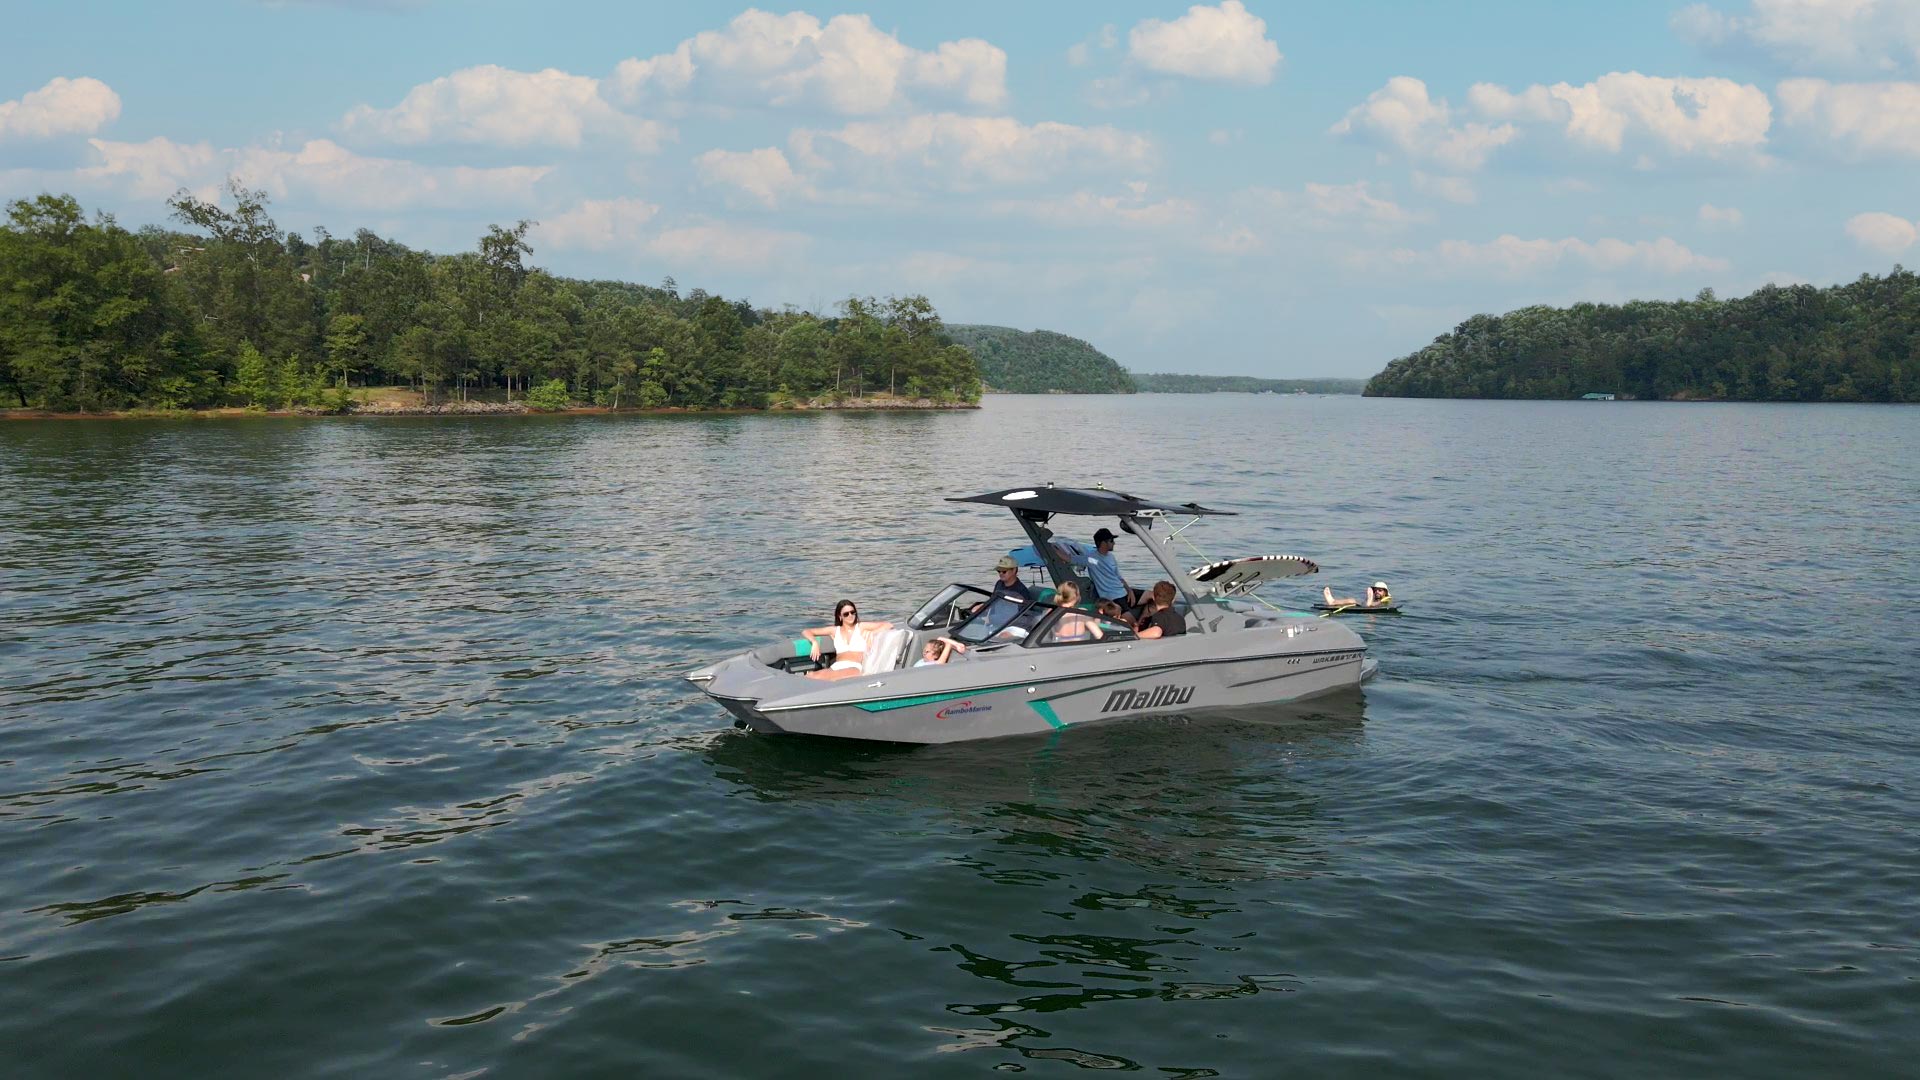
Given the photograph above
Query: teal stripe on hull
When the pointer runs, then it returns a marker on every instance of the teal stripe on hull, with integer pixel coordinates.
(924, 699)
(1046, 713)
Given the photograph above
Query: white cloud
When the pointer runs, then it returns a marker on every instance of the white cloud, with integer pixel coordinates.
(1851, 36)
(1884, 233)
(496, 106)
(1401, 115)
(1224, 44)
(1085, 208)
(1326, 207)
(1511, 256)
(945, 266)
(1352, 202)
(1862, 118)
(1726, 217)
(320, 170)
(963, 151)
(1233, 240)
(721, 244)
(1454, 189)
(1122, 91)
(62, 107)
(598, 225)
(764, 174)
(1155, 310)
(1708, 116)
(847, 64)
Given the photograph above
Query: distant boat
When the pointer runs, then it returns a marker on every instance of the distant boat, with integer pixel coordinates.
(1596, 397)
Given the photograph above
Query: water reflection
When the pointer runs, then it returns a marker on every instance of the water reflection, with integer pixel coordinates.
(1206, 797)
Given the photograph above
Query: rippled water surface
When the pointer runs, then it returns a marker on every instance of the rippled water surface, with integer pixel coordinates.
(358, 748)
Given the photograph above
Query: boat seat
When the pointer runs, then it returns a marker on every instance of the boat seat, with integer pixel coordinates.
(887, 651)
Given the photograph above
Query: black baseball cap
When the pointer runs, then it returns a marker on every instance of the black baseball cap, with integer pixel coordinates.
(1103, 536)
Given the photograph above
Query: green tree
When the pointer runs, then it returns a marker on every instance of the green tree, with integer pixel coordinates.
(346, 345)
(85, 320)
(549, 396)
(252, 377)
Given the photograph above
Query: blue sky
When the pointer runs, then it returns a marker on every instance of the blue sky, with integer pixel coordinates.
(1246, 188)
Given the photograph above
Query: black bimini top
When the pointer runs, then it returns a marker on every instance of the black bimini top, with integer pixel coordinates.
(1094, 502)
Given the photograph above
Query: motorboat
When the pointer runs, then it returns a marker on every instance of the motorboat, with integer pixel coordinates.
(1032, 666)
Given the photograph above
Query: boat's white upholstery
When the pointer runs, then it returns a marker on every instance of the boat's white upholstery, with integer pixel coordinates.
(887, 651)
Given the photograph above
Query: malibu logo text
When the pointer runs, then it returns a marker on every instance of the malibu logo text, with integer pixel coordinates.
(1152, 698)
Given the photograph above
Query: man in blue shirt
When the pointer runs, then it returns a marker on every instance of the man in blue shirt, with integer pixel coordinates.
(1108, 584)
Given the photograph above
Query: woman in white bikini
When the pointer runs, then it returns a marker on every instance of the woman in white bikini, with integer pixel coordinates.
(851, 638)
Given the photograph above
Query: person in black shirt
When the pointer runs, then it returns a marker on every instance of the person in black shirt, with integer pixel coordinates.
(1009, 583)
(1160, 620)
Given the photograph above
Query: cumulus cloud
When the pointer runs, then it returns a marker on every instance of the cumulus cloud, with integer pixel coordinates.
(1706, 116)
(1724, 217)
(1350, 202)
(1709, 117)
(1887, 234)
(1401, 115)
(1132, 208)
(725, 245)
(1223, 44)
(921, 269)
(497, 106)
(598, 225)
(62, 107)
(1512, 256)
(1080, 53)
(764, 174)
(1866, 119)
(320, 170)
(846, 64)
(1849, 36)
(953, 150)
(1454, 189)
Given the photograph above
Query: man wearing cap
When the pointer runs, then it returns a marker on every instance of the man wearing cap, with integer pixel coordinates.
(1105, 569)
(1009, 583)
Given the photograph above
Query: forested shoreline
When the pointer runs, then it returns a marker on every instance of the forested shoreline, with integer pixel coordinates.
(1040, 362)
(1176, 383)
(1854, 342)
(231, 311)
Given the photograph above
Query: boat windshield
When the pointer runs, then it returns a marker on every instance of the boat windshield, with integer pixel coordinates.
(1002, 619)
(950, 608)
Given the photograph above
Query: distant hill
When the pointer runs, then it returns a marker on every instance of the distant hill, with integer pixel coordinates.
(1242, 384)
(1039, 362)
(1852, 342)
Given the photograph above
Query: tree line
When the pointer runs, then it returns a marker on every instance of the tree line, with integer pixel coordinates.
(231, 310)
(1171, 383)
(1854, 342)
(1041, 362)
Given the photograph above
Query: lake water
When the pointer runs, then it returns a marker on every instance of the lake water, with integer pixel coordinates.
(358, 748)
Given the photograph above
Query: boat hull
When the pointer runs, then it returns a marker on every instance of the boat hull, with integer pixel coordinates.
(1023, 694)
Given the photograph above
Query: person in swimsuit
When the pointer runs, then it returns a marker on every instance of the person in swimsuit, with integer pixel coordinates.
(1073, 626)
(851, 639)
(1377, 596)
